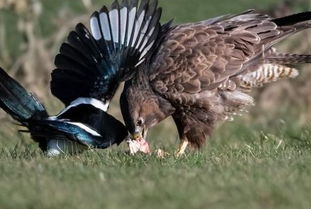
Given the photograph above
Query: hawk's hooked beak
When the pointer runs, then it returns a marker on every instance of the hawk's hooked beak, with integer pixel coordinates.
(139, 135)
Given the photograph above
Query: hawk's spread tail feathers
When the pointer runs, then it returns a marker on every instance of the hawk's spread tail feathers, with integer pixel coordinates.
(92, 64)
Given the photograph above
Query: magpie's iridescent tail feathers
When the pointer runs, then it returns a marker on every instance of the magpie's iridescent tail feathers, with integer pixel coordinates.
(17, 102)
(92, 64)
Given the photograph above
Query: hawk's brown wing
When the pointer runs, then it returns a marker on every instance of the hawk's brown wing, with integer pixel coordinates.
(200, 56)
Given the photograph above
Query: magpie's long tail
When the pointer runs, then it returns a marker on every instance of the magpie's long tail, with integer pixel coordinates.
(17, 102)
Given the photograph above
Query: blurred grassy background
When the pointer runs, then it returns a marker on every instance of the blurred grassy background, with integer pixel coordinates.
(261, 160)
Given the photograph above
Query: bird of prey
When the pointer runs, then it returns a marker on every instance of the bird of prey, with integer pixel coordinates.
(89, 68)
(203, 72)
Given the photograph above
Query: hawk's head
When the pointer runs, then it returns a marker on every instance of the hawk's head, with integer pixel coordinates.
(142, 108)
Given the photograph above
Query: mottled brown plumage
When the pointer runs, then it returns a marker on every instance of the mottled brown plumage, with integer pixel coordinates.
(203, 71)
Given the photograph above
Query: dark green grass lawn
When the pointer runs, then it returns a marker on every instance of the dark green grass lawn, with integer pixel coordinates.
(245, 165)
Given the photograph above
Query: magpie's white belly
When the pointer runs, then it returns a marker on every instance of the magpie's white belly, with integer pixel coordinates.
(57, 147)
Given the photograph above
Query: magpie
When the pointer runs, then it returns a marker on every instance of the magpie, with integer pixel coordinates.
(89, 69)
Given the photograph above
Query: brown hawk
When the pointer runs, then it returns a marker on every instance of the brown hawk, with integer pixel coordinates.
(203, 71)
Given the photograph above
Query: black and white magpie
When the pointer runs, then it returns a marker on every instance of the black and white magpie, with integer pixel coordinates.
(89, 68)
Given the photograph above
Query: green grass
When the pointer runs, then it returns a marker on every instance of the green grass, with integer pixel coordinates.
(245, 165)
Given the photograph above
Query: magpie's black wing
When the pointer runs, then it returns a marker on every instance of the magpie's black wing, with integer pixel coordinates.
(92, 64)
(76, 132)
(95, 118)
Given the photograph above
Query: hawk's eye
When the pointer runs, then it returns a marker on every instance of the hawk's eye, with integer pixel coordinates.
(139, 122)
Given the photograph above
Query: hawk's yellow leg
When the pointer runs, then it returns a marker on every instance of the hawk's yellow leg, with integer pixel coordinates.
(182, 148)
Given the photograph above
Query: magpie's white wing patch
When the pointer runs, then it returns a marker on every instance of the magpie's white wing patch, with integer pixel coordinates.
(126, 25)
(88, 101)
(85, 128)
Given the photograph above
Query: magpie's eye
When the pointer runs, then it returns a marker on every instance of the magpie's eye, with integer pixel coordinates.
(139, 122)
